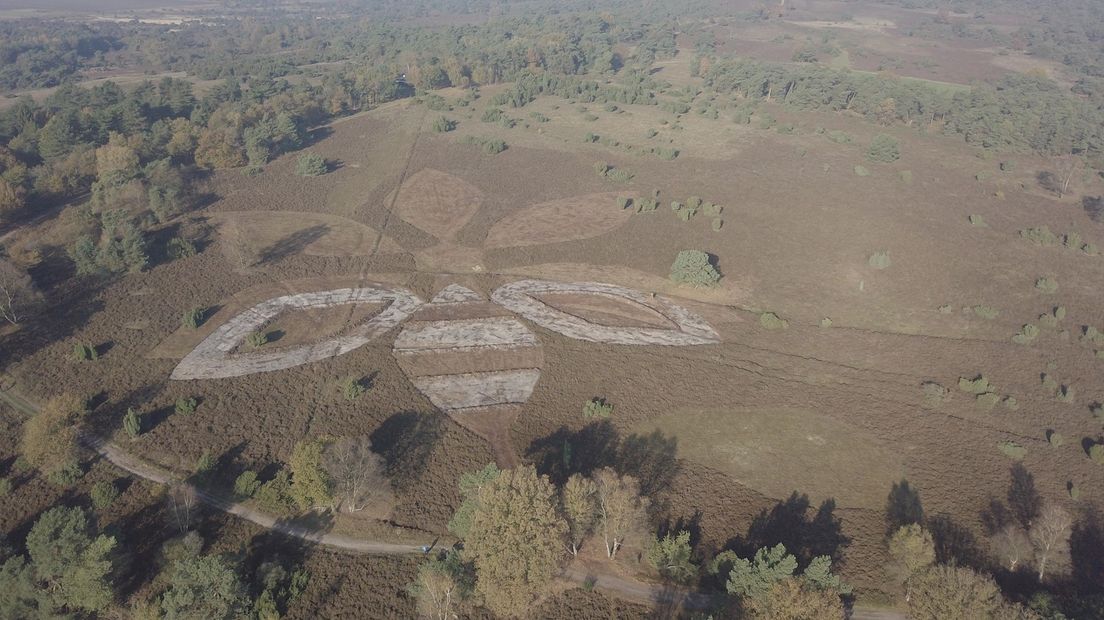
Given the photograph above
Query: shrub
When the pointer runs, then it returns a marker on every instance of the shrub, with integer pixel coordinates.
(1096, 453)
(621, 175)
(443, 124)
(192, 318)
(597, 409)
(770, 320)
(624, 202)
(1011, 403)
(83, 352)
(590, 118)
(883, 149)
(1007, 166)
(666, 153)
(185, 405)
(256, 339)
(352, 388)
(204, 464)
(1074, 492)
(1055, 439)
(1065, 394)
(1027, 334)
(717, 224)
(540, 118)
(179, 247)
(311, 165)
(986, 312)
(694, 267)
(1039, 236)
(1047, 285)
(676, 206)
(1072, 241)
(879, 260)
(1050, 319)
(934, 393)
(905, 176)
(987, 401)
(67, 475)
(861, 171)
(977, 385)
(1090, 249)
(246, 484)
(132, 424)
(491, 115)
(651, 133)
(839, 137)
(601, 168)
(5, 487)
(977, 220)
(646, 205)
(711, 209)
(825, 322)
(1012, 450)
(1049, 383)
(103, 494)
(590, 138)
(944, 309)
(506, 122)
(686, 214)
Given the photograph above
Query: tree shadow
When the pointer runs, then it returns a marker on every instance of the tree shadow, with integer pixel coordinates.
(1024, 502)
(293, 243)
(804, 533)
(567, 452)
(1094, 206)
(405, 440)
(1087, 550)
(651, 459)
(956, 544)
(903, 507)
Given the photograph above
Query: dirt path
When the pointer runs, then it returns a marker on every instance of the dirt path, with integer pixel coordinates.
(624, 588)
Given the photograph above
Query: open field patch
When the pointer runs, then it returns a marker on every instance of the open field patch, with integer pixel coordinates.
(268, 235)
(777, 451)
(580, 217)
(437, 202)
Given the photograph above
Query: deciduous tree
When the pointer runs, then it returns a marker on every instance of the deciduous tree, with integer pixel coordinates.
(1050, 534)
(580, 506)
(954, 593)
(357, 472)
(793, 599)
(913, 551)
(515, 540)
(50, 436)
(311, 486)
(620, 507)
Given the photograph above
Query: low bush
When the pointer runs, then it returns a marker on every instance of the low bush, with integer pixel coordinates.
(1065, 394)
(132, 423)
(1027, 334)
(1055, 439)
(1046, 285)
(883, 149)
(621, 175)
(905, 176)
(977, 220)
(687, 214)
(257, 339)
(717, 224)
(192, 318)
(491, 115)
(977, 385)
(1039, 236)
(103, 494)
(1051, 319)
(443, 124)
(246, 484)
(5, 487)
(67, 475)
(1012, 450)
(84, 352)
(694, 267)
(676, 206)
(934, 393)
(185, 405)
(590, 138)
(861, 171)
(590, 118)
(1011, 403)
(646, 205)
(1072, 240)
(1096, 453)
(879, 259)
(839, 137)
(540, 118)
(179, 247)
(825, 322)
(624, 202)
(711, 209)
(665, 153)
(597, 409)
(601, 168)
(986, 312)
(352, 388)
(770, 320)
(987, 401)
(311, 165)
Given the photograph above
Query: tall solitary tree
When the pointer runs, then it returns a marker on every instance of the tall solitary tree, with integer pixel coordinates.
(357, 472)
(1050, 534)
(70, 562)
(620, 507)
(311, 486)
(580, 506)
(913, 551)
(516, 540)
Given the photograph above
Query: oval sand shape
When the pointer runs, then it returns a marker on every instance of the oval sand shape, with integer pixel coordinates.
(607, 310)
(274, 234)
(314, 325)
(567, 219)
(437, 202)
(778, 451)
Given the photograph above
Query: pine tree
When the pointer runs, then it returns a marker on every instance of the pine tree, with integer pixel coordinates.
(132, 424)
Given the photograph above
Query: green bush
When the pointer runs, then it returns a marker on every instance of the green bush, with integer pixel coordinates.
(1065, 394)
(694, 267)
(192, 318)
(986, 312)
(103, 494)
(651, 133)
(676, 206)
(624, 202)
(646, 205)
(717, 224)
(132, 424)
(977, 220)
(1039, 236)
(621, 175)
(590, 118)
(185, 406)
(826, 322)
(204, 464)
(597, 409)
(257, 339)
(84, 352)
(1074, 491)
(861, 171)
(311, 165)
(666, 153)
(590, 138)
(1047, 285)
(934, 393)
(1027, 334)
(977, 385)
(67, 475)
(443, 124)
(601, 168)
(179, 247)
(987, 401)
(711, 209)
(1049, 382)
(1012, 450)
(1072, 240)
(1055, 439)
(883, 149)
(839, 137)
(1011, 403)
(905, 176)
(540, 118)
(770, 320)
(491, 115)
(246, 484)
(1090, 249)
(5, 487)
(1096, 453)
(687, 214)
(879, 260)
(353, 388)
(694, 203)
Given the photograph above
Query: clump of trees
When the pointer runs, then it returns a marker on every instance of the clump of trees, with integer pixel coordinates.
(883, 149)
(694, 267)
(50, 437)
(311, 165)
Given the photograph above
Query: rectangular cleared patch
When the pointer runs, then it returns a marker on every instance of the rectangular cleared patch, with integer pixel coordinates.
(483, 389)
(492, 332)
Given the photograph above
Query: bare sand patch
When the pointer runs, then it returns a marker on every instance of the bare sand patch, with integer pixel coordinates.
(275, 234)
(606, 310)
(578, 217)
(437, 202)
(317, 324)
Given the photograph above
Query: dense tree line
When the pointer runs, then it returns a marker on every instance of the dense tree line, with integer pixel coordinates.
(1018, 113)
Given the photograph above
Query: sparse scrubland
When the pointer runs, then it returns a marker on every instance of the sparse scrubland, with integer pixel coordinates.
(857, 365)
